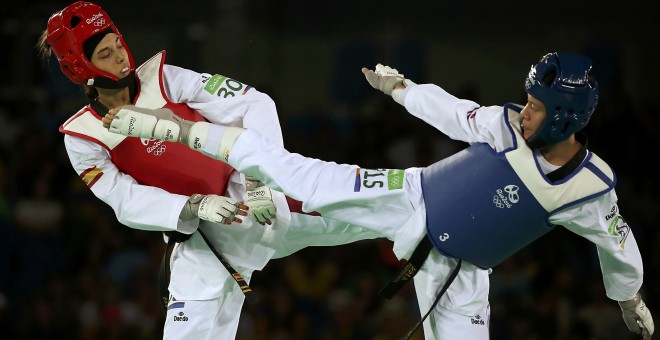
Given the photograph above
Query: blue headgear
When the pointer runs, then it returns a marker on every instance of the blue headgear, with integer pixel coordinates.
(562, 82)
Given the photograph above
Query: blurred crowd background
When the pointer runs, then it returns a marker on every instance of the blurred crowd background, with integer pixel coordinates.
(69, 270)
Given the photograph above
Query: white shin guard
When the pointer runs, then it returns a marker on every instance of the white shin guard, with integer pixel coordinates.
(213, 140)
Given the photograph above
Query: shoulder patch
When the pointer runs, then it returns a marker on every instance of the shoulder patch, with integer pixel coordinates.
(91, 176)
(386, 179)
(224, 87)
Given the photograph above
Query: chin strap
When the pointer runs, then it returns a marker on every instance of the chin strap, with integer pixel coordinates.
(128, 81)
(107, 83)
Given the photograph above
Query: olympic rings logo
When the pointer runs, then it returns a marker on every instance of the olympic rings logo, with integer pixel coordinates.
(498, 202)
(160, 150)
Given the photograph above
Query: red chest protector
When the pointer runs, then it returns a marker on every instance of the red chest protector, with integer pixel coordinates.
(170, 166)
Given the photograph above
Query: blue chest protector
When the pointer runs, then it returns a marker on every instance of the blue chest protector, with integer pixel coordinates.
(482, 206)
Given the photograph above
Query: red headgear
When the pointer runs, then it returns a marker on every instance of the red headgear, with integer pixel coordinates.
(69, 28)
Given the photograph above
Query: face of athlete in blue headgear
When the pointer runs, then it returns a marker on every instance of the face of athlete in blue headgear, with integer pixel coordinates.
(534, 114)
(562, 95)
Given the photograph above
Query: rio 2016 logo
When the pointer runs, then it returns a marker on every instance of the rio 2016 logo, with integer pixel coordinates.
(501, 200)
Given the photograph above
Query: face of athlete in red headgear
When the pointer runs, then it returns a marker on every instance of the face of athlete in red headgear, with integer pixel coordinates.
(69, 29)
(111, 56)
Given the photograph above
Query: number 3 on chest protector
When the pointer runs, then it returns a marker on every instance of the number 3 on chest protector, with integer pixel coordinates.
(444, 237)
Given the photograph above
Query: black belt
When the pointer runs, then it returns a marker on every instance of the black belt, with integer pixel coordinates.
(164, 274)
(409, 270)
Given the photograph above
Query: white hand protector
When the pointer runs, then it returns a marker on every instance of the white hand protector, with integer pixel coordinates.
(637, 317)
(260, 201)
(218, 209)
(214, 208)
(384, 78)
(160, 123)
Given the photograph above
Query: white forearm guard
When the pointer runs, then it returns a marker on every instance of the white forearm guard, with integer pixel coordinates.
(213, 140)
(140, 122)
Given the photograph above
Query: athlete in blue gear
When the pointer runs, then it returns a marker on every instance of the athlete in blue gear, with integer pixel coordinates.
(527, 170)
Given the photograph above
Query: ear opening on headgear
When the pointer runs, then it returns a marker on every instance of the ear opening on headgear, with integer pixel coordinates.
(74, 21)
(549, 77)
